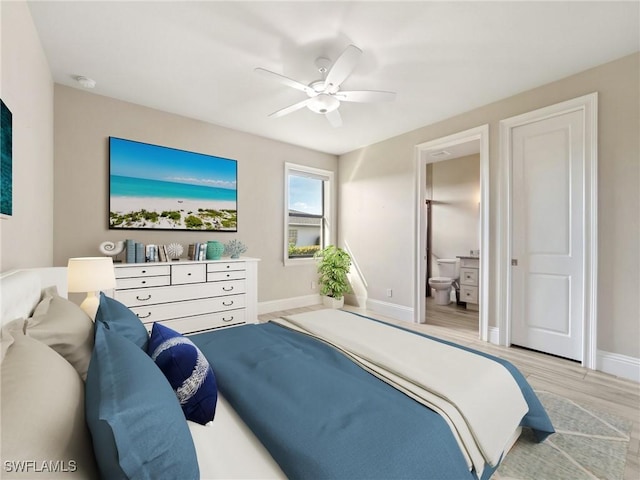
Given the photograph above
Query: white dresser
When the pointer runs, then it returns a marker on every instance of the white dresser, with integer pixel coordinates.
(469, 281)
(190, 296)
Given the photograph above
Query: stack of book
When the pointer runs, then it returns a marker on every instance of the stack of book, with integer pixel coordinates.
(197, 251)
(139, 253)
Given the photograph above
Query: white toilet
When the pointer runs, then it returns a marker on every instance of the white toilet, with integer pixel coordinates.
(449, 270)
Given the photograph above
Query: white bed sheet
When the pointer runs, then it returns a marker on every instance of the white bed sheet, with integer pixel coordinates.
(228, 449)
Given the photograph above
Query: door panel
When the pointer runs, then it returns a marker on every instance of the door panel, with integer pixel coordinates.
(547, 235)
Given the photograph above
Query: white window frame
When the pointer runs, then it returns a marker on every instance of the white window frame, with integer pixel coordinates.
(328, 226)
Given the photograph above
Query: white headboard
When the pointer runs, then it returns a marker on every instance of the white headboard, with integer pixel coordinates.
(20, 290)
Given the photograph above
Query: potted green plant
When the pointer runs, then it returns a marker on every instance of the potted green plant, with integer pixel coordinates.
(333, 265)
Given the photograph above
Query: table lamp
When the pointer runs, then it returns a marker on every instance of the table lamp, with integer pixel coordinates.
(90, 274)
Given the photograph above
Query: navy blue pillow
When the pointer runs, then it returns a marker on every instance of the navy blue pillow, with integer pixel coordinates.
(137, 426)
(118, 318)
(188, 372)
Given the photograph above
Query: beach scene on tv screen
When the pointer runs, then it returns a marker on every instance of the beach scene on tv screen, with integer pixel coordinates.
(164, 188)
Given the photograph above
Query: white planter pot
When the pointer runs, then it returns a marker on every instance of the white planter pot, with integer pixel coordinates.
(332, 302)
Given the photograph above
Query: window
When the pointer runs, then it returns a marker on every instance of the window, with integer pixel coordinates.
(309, 210)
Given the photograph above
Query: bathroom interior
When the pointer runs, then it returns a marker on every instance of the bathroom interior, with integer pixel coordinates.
(452, 211)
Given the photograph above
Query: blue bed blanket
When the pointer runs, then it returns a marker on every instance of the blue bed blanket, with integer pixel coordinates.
(323, 417)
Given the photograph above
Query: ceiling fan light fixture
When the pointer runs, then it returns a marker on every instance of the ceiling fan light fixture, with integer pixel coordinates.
(325, 95)
(324, 103)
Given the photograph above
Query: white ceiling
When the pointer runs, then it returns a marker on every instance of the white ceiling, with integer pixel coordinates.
(442, 58)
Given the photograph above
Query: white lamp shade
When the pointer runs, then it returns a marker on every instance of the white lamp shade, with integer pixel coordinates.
(90, 274)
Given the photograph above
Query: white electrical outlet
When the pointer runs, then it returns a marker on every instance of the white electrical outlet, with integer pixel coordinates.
(389, 292)
(313, 285)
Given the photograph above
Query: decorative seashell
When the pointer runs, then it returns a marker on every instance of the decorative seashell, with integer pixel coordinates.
(111, 249)
(174, 250)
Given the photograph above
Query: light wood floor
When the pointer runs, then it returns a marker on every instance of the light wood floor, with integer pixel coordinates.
(593, 389)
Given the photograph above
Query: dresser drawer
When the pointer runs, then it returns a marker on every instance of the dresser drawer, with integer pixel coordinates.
(142, 271)
(167, 311)
(230, 275)
(225, 266)
(469, 276)
(178, 293)
(204, 322)
(470, 262)
(468, 294)
(191, 273)
(142, 282)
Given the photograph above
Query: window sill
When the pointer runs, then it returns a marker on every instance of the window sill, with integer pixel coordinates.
(302, 261)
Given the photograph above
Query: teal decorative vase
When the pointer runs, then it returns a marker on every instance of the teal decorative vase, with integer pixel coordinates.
(214, 250)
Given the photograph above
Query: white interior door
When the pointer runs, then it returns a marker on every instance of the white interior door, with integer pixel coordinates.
(547, 276)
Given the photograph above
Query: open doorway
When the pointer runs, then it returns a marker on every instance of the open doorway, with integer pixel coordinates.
(464, 144)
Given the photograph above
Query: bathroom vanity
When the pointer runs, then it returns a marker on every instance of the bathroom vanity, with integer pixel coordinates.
(469, 281)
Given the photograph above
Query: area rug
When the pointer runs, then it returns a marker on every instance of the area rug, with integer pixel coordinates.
(588, 444)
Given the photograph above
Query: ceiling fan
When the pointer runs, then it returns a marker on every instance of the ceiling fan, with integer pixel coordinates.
(324, 95)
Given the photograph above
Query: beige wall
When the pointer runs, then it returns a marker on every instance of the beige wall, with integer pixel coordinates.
(377, 194)
(26, 88)
(83, 123)
(455, 213)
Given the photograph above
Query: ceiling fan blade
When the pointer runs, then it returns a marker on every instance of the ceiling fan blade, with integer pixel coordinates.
(290, 108)
(286, 80)
(366, 96)
(342, 68)
(334, 117)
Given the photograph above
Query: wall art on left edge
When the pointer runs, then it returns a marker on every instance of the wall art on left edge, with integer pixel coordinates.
(162, 188)
(6, 161)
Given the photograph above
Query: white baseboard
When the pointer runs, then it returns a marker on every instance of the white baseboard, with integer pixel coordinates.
(288, 303)
(619, 365)
(494, 335)
(398, 312)
(612, 363)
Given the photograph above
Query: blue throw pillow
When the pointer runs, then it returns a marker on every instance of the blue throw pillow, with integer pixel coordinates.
(118, 318)
(136, 423)
(188, 372)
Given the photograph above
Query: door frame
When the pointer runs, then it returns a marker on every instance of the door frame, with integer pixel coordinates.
(480, 134)
(588, 105)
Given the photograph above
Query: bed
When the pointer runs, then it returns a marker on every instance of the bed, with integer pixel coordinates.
(296, 398)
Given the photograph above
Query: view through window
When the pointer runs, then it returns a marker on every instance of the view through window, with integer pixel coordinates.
(307, 211)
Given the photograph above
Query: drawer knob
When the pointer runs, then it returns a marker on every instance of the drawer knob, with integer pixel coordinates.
(144, 271)
(143, 299)
(143, 282)
(227, 319)
(227, 289)
(143, 316)
(227, 304)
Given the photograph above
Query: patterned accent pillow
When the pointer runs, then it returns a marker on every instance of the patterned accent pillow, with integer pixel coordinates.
(188, 372)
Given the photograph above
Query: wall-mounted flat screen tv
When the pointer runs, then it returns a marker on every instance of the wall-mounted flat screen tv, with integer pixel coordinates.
(162, 188)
